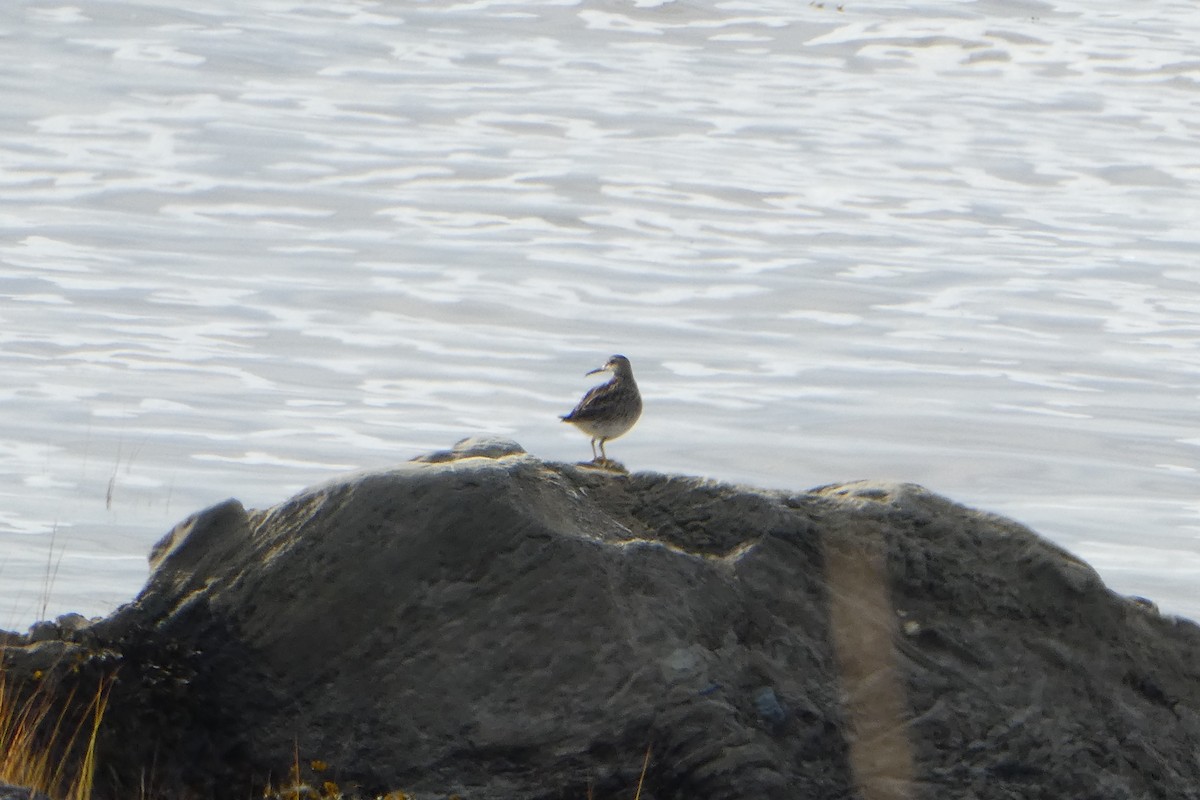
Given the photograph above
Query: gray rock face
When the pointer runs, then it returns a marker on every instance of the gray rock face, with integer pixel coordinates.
(487, 624)
(10, 792)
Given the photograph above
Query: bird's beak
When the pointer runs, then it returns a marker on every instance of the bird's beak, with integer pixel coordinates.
(597, 369)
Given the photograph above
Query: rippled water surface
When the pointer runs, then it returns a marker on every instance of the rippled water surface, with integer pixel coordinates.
(249, 246)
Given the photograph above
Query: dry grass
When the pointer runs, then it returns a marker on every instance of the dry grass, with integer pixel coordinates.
(642, 777)
(48, 744)
(310, 782)
(43, 745)
(307, 782)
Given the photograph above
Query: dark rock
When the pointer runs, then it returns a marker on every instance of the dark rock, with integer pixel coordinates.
(769, 708)
(70, 624)
(70, 627)
(10, 792)
(43, 631)
(474, 447)
(488, 624)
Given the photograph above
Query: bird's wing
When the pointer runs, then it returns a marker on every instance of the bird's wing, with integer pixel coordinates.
(598, 402)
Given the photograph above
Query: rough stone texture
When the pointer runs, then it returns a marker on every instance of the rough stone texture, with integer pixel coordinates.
(488, 624)
(10, 792)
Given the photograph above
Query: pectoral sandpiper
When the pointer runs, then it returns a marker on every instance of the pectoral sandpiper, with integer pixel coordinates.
(610, 409)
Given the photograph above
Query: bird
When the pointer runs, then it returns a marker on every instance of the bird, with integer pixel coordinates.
(610, 409)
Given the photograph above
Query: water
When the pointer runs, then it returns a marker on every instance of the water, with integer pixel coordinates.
(247, 247)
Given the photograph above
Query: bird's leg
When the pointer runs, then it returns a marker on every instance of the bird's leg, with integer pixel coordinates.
(603, 455)
(594, 448)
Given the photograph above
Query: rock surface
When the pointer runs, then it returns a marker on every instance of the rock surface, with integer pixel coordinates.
(486, 624)
(10, 792)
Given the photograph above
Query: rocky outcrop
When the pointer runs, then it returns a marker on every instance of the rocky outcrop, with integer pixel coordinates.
(486, 624)
(10, 792)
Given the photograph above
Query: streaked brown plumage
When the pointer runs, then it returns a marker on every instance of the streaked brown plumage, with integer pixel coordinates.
(610, 409)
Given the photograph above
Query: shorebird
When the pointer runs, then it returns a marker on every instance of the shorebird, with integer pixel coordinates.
(610, 409)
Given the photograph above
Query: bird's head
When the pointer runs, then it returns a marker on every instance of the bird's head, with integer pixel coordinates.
(616, 365)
